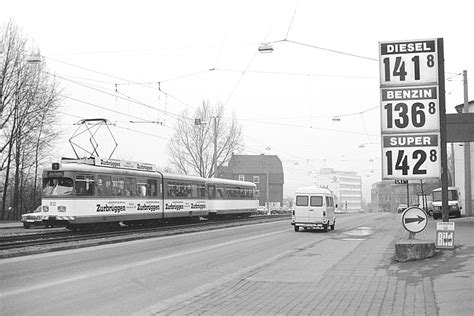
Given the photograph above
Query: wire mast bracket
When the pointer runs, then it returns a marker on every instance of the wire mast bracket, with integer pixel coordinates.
(91, 126)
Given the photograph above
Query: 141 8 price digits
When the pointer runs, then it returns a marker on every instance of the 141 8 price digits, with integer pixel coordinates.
(400, 67)
(401, 161)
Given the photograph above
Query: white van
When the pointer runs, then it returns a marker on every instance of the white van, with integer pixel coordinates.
(314, 208)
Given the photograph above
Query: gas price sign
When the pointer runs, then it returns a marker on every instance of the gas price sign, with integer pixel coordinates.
(412, 156)
(410, 109)
(405, 63)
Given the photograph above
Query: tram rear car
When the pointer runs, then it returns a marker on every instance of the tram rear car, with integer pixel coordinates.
(231, 198)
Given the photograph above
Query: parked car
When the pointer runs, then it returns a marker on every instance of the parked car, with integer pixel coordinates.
(401, 208)
(32, 219)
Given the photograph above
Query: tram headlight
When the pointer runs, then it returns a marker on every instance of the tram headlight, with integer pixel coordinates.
(61, 208)
(45, 208)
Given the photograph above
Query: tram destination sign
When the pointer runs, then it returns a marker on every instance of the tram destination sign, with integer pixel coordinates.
(408, 62)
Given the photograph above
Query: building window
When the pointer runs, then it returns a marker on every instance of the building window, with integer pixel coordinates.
(241, 177)
(256, 179)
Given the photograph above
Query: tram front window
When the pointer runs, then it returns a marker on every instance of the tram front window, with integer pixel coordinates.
(57, 186)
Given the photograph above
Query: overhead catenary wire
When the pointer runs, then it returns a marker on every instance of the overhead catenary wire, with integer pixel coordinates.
(241, 78)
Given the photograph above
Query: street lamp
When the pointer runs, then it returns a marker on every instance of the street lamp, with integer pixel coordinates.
(34, 59)
(265, 48)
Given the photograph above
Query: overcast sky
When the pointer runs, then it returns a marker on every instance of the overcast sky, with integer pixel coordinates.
(208, 50)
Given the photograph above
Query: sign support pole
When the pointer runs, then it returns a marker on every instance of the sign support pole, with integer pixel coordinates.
(443, 140)
(408, 195)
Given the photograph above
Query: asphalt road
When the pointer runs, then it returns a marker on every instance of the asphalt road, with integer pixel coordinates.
(133, 276)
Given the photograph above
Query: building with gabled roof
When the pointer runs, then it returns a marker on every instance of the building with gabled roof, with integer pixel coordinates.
(266, 171)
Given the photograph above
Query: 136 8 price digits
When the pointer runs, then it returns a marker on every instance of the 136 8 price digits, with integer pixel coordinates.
(400, 161)
(404, 112)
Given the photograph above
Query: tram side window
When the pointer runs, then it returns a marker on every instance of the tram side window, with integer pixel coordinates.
(201, 191)
(151, 189)
(118, 186)
(186, 190)
(104, 185)
(84, 184)
(130, 186)
(211, 191)
(220, 193)
(142, 187)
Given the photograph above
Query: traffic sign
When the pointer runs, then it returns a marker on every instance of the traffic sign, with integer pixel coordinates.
(410, 156)
(410, 109)
(414, 219)
(405, 63)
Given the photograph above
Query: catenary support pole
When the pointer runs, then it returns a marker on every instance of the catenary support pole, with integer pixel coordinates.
(467, 157)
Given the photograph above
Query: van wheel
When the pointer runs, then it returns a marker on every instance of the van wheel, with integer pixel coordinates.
(26, 225)
(325, 227)
(296, 228)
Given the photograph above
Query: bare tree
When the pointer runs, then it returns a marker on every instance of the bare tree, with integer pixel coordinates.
(28, 107)
(203, 137)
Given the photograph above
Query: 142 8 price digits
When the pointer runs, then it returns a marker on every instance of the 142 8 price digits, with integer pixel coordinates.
(403, 160)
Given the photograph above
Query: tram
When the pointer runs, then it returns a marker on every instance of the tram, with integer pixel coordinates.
(101, 192)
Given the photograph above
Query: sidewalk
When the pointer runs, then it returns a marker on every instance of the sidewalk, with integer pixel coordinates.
(10, 224)
(364, 281)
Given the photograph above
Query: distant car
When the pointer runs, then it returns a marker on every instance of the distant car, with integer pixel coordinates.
(401, 208)
(32, 219)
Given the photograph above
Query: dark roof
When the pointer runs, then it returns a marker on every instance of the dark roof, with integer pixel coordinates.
(460, 107)
(255, 164)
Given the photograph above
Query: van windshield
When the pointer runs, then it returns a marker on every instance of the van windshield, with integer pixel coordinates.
(452, 195)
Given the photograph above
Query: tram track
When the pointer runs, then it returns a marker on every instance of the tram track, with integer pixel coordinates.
(24, 244)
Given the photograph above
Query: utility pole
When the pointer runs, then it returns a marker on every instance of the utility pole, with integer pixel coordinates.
(268, 191)
(467, 157)
(214, 158)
